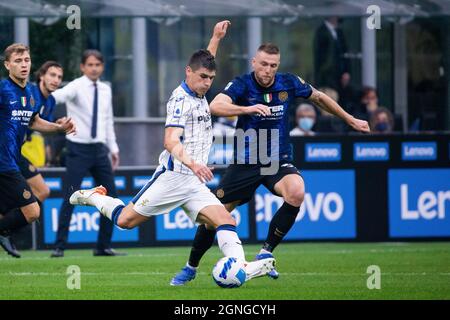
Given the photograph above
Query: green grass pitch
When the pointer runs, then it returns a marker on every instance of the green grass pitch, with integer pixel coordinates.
(308, 271)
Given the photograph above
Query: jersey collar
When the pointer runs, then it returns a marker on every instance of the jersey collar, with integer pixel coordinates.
(17, 85)
(189, 91)
(260, 86)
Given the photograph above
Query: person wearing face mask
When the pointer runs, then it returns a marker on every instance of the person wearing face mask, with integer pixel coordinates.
(305, 118)
(382, 121)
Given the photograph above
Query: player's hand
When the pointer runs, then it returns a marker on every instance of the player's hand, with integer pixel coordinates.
(359, 125)
(259, 109)
(203, 172)
(115, 161)
(67, 125)
(220, 29)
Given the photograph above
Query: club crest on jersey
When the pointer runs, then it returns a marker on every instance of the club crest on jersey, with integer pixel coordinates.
(267, 97)
(283, 96)
(32, 101)
(23, 100)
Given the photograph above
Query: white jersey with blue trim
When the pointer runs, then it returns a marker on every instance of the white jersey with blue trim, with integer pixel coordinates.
(188, 111)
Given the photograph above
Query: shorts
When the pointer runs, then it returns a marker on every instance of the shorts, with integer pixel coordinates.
(168, 190)
(14, 191)
(27, 170)
(240, 181)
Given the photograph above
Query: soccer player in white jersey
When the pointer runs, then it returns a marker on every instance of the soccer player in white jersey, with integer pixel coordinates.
(179, 181)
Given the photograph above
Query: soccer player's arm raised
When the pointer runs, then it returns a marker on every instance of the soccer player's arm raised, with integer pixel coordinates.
(326, 103)
(220, 30)
(172, 143)
(63, 125)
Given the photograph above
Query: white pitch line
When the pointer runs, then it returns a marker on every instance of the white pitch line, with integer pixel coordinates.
(307, 274)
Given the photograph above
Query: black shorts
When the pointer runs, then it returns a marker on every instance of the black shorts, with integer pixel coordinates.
(27, 169)
(240, 181)
(14, 191)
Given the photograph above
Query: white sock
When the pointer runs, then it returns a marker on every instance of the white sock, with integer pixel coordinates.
(191, 267)
(105, 204)
(229, 242)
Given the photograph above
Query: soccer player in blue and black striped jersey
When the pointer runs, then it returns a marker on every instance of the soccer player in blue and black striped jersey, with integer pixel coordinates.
(48, 79)
(18, 112)
(261, 99)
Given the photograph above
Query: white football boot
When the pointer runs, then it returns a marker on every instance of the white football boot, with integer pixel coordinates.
(81, 197)
(259, 268)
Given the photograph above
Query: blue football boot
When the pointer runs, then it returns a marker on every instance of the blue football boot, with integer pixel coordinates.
(185, 275)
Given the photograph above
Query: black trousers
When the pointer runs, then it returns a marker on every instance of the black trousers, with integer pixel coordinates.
(82, 159)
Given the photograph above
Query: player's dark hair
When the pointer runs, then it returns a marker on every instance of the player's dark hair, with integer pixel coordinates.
(91, 52)
(269, 48)
(14, 48)
(202, 59)
(44, 68)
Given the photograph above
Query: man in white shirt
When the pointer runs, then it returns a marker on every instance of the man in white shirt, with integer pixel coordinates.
(89, 103)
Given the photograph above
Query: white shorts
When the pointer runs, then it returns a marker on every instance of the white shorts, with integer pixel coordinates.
(167, 190)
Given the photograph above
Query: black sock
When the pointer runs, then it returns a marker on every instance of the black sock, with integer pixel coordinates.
(12, 221)
(203, 240)
(281, 223)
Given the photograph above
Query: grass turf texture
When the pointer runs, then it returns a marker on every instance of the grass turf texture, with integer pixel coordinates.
(308, 271)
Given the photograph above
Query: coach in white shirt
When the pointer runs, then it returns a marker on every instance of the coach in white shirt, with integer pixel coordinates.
(89, 104)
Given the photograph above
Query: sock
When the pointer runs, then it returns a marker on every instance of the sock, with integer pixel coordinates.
(191, 267)
(203, 240)
(229, 242)
(12, 221)
(107, 206)
(281, 223)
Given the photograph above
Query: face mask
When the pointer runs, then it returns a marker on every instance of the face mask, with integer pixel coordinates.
(305, 123)
(381, 126)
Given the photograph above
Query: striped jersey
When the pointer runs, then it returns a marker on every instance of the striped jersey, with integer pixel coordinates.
(187, 110)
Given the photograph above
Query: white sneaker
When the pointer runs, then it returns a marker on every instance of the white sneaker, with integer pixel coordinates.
(259, 268)
(81, 197)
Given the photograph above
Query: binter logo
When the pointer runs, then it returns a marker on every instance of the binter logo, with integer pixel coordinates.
(419, 151)
(322, 152)
(419, 202)
(376, 151)
(429, 204)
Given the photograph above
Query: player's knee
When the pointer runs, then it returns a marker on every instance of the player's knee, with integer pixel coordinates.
(295, 197)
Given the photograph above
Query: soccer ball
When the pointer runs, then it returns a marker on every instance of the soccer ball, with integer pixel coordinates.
(229, 272)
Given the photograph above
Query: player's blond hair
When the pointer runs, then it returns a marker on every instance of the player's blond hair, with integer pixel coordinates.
(15, 48)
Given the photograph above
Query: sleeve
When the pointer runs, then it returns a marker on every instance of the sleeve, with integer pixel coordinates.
(110, 133)
(235, 89)
(302, 88)
(66, 93)
(178, 111)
